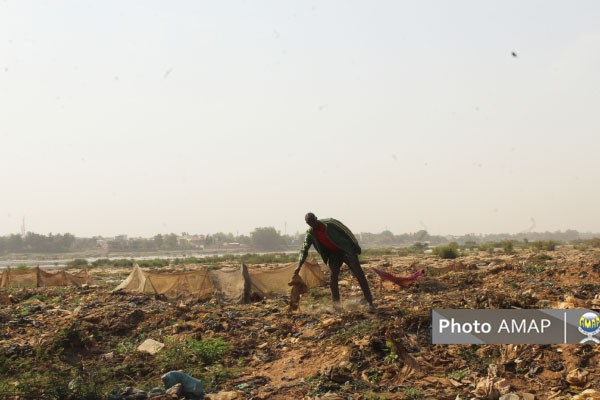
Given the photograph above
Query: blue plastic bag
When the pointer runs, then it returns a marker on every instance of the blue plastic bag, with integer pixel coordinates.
(192, 387)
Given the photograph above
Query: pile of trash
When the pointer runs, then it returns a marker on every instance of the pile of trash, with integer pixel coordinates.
(89, 342)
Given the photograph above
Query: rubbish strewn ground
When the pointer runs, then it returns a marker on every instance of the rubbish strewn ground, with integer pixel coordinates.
(82, 342)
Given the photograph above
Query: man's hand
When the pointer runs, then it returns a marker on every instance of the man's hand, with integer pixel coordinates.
(297, 270)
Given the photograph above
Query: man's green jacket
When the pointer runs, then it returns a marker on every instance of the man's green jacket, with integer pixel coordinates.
(339, 235)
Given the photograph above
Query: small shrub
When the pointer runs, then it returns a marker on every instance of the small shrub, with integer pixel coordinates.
(102, 262)
(447, 252)
(595, 243)
(77, 263)
(418, 247)
(507, 246)
(549, 245)
(487, 247)
(154, 263)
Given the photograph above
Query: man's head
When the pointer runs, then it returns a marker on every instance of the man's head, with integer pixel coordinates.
(311, 220)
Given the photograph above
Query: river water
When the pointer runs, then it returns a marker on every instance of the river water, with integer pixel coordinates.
(59, 263)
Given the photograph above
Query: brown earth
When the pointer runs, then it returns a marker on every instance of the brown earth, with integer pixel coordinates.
(90, 334)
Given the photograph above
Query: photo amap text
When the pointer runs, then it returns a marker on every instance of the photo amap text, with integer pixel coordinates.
(505, 326)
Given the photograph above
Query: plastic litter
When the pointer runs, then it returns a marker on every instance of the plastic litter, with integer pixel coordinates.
(192, 387)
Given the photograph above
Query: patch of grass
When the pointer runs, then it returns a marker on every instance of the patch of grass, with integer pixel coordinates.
(73, 338)
(432, 271)
(534, 269)
(125, 347)
(458, 374)
(412, 393)
(120, 263)
(373, 374)
(541, 258)
(468, 354)
(154, 263)
(180, 355)
(362, 328)
(215, 375)
(77, 263)
(36, 297)
(48, 378)
(476, 363)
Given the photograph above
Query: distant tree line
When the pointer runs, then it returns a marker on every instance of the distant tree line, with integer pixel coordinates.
(33, 242)
(261, 239)
(387, 238)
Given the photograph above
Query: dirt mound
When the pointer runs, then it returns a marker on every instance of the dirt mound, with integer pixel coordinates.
(72, 342)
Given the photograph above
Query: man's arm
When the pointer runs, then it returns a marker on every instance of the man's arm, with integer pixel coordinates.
(308, 241)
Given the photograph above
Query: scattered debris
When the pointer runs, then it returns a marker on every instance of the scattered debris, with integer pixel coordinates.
(86, 337)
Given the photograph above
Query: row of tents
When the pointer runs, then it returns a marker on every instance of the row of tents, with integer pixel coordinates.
(229, 285)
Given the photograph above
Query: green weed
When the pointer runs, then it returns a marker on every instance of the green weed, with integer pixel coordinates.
(534, 269)
(458, 374)
(412, 393)
(125, 347)
(179, 355)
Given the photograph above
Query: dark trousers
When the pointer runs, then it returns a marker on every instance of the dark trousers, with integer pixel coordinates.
(335, 263)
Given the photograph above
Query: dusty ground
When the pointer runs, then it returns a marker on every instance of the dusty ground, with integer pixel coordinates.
(52, 337)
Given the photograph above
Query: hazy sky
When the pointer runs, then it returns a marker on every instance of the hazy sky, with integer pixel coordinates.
(146, 117)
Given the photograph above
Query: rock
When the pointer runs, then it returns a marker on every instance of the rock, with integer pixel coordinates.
(528, 396)
(510, 396)
(151, 346)
(176, 390)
